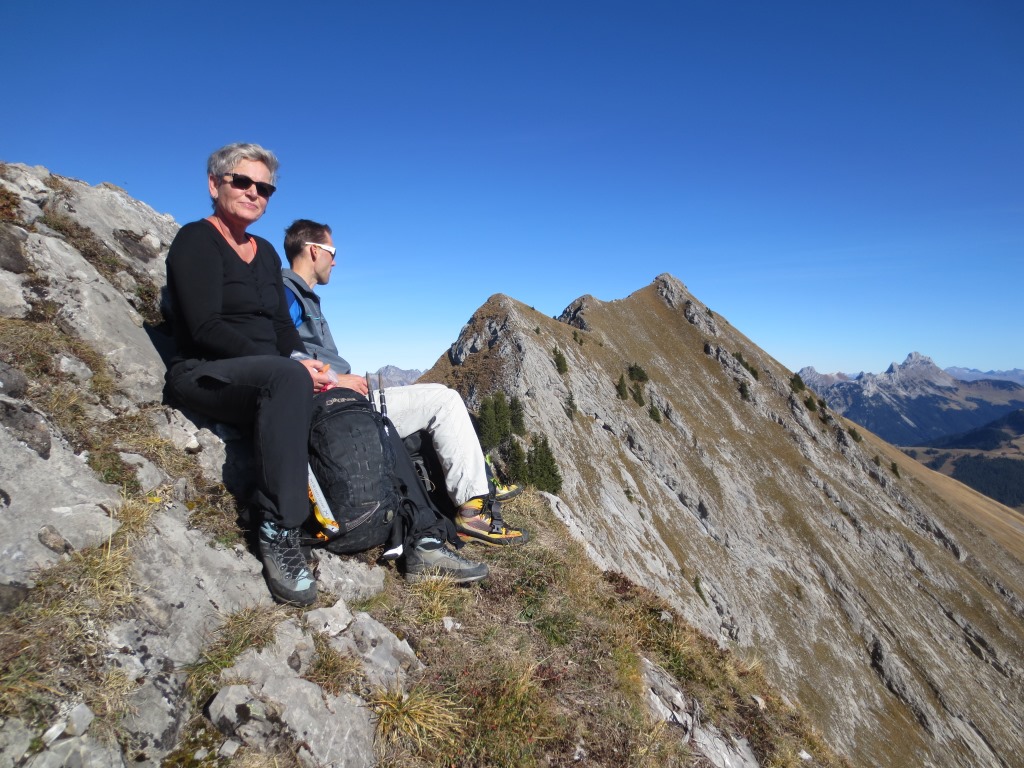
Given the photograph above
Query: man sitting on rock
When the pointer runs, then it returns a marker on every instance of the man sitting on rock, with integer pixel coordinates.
(434, 408)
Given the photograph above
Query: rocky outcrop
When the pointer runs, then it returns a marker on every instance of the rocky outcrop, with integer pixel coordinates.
(881, 596)
(89, 262)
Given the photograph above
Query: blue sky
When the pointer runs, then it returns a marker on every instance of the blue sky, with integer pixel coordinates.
(843, 182)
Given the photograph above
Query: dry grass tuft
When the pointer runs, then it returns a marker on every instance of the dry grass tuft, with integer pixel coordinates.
(332, 670)
(423, 719)
(35, 349)
(10, 205)
(215, 512)
(438, 598)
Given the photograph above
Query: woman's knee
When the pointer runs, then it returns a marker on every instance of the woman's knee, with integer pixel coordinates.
(286, 375)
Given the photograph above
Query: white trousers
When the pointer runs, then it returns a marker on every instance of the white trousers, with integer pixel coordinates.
(441, 412)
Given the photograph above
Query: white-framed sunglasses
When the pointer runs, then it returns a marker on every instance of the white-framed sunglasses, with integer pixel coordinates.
(329, 248)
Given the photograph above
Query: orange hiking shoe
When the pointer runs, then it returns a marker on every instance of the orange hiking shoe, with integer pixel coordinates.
(499, 491)
(486, 525)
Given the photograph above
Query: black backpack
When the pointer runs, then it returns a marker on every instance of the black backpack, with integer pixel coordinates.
(352, 460)
(370, 491)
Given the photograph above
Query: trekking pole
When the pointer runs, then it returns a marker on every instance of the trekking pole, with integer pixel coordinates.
(369, 391)
(380, 392)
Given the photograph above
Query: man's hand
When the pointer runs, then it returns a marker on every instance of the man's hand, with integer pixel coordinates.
(350, 380)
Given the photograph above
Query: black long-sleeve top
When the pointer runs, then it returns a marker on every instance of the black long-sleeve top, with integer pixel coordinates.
(223, 307)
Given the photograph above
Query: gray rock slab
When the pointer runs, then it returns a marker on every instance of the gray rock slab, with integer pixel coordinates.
(387, 661)
(15, 740)
(349, 578)
(288, 656)
(148, 474)
(330, 621)
(337, 730)
(28, 502)
(78, 752)
(187, 586)
(93, 310)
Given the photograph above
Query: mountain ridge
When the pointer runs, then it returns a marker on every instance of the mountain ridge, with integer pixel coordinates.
(730, 474)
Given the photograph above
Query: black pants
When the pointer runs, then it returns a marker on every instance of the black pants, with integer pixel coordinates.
(271, 395)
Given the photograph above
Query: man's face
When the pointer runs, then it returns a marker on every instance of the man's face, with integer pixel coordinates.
(324, 262)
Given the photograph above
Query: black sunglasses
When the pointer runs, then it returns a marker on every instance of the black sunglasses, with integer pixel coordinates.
(240, 181)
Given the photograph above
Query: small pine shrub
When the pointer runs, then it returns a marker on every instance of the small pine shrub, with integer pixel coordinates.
(570, 407)
(750, 369)
(621, 389)
(744, 390)
(654, 413)
(855, 434)
(638, 395)
(877, 460)
(494, 421)
(560, 364)
(895, 469)
(811, 405)
(699, 589)
(515, 462)
(796, 383)
(637, 374)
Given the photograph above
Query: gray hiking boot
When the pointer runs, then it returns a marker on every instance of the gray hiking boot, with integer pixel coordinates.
(431, 559)
(284, 565)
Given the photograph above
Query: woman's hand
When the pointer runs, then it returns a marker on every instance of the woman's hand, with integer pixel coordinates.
(318, 373)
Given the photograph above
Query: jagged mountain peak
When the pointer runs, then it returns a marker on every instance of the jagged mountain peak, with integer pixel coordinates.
(774, 525)
(915, 402)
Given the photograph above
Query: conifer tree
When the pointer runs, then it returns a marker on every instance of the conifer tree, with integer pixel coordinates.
(620, 388)
(638, 394)
(502, 417)
(515, 462)
(494, 421)
(516, 416)
(636, 373)
(486, 426)
(541, 467)
(560, 364)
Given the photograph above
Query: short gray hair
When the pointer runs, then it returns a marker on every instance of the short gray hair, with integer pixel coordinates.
(226, 158)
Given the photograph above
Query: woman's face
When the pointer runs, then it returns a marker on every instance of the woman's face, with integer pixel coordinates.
(243, 206)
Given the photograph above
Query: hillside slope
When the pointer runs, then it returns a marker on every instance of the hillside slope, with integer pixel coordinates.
(989, 459)
(885, 598)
